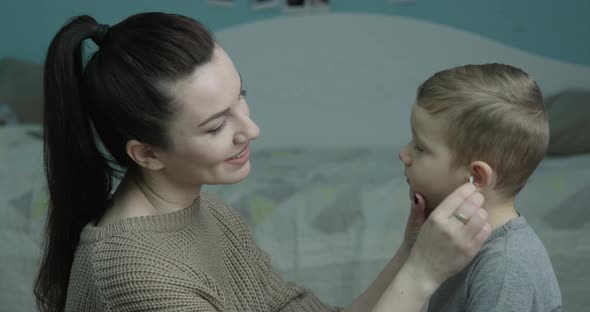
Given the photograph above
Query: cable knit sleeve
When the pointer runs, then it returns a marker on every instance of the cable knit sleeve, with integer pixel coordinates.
(286, 296)
(280, 295)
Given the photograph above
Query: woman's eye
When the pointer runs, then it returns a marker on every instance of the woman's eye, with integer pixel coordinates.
(218, 129)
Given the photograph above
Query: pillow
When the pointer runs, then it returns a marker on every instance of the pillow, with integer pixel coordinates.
(23, 206)
(569, 122)
(21, 88)
(572, 213)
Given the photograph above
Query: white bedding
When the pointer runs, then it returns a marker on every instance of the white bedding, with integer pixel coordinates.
(329, 218)
(334, 229)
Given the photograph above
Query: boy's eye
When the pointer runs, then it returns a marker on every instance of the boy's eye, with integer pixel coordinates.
(243, 93)
(418, 148)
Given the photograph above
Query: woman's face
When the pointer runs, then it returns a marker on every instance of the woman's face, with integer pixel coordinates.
(212, 129)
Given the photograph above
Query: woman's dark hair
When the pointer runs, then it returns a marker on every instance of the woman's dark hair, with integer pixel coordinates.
(115, 97)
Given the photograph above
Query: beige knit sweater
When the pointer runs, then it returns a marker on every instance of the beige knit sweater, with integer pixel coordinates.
(202, 258)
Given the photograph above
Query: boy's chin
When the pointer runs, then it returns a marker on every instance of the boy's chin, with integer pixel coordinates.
(429, 208)
(431, 204)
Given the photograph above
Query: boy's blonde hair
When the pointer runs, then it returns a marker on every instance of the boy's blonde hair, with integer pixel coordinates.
(493, 113)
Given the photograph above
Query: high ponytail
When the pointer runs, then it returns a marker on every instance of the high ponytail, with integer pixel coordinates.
(78, 176)
(114, 97)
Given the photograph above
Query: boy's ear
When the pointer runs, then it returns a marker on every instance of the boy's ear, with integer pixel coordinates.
(483, 175)
(144, 155)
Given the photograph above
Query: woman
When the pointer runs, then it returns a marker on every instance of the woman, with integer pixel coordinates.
(162, 103)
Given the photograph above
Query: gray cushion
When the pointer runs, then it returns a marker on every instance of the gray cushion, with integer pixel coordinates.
(569, 121)
(21, 88)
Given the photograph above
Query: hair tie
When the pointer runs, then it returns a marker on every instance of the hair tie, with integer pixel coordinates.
(100, 33)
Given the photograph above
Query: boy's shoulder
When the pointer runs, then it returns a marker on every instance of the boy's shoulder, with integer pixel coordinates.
(514, 257)
(514, 242)
(512, 272)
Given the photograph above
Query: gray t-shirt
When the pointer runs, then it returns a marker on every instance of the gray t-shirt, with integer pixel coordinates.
(512, 272)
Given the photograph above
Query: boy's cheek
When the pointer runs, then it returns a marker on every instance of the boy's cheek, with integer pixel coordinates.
(432, 197)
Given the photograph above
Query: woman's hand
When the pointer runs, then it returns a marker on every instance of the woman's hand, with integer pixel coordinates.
(444, 244)
(414, 223)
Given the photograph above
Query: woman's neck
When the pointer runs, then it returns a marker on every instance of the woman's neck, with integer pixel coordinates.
(145, 195)
(164, 196)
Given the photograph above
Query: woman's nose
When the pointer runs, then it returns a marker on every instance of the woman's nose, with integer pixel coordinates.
(250, 131)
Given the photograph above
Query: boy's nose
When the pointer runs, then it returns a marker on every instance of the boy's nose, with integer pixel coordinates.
(404, 156)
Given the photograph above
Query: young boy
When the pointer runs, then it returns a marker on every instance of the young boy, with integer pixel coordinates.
(486, 123)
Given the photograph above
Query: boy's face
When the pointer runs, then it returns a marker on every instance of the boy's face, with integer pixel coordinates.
(427, 160)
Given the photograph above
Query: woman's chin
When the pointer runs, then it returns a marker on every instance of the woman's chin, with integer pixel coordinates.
(239, 175)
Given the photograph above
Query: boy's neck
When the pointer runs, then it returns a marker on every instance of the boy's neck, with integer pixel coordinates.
(500, 210)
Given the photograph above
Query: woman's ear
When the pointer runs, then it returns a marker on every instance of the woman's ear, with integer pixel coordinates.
(144, 155)
(482, 175)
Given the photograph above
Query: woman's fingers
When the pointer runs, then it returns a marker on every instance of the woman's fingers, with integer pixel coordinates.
(419, 207)
(448, 206)
(469, 221)
(415, 221)
(446, 243)
(483, 234)
(468, 208)
(476, 221)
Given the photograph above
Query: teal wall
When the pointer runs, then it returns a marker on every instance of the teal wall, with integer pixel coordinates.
(555, 29)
